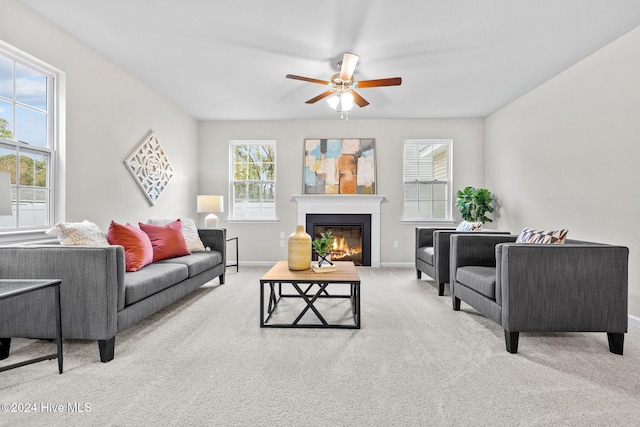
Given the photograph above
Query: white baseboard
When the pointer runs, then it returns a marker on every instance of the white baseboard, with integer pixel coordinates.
(634, 321)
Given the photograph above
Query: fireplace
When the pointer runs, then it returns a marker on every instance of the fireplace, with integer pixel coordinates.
(351, 231)
(366, 204)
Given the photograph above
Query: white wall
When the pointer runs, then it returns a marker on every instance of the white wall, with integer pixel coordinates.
(566, 154)
(108, 112)
(260, 242)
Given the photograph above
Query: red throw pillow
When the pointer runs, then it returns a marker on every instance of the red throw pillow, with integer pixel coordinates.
(138, 251)
(167, 240)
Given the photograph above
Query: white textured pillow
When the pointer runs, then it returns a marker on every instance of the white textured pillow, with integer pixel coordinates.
(189, 230)
(469, 226)
(83, 233)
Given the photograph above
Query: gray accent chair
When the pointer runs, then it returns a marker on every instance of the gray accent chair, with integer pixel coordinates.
(432, 252)
(572, 287)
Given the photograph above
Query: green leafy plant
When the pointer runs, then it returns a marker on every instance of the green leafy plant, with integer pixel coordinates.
(474, 204)
(323, 245)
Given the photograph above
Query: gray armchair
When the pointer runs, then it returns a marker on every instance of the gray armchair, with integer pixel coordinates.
(572, 287)
(432, 252)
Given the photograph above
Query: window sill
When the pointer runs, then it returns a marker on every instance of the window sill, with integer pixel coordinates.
(22, 237)
(427, 221)
(252, 220)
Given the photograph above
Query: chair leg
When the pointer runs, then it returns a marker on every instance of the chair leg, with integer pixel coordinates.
(616, 342)
(511, 339)
(5, 343)
(456, 303)
(440, 289)
(107, 348)
(419, 273)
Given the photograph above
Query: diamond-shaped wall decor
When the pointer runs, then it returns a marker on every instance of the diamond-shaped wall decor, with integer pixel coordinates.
(150, 167)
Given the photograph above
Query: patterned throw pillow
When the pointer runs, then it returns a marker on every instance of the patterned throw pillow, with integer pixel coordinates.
(469, 226)
(539, 236)
(83, 233)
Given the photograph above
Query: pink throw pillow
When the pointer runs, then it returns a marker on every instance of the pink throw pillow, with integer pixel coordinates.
(167, 240)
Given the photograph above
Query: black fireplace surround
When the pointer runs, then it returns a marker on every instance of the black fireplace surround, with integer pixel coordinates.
(344, 220)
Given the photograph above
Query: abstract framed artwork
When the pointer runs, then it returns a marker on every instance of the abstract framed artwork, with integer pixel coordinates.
(340, 166)
(150, 167)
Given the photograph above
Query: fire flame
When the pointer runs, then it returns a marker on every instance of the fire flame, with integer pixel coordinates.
(341, 249)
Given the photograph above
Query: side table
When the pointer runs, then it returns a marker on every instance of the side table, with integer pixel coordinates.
(237, 259)
(13, 288)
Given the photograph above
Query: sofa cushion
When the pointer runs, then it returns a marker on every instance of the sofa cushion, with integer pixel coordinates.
(480, 279)
(425, 254)
(197, 262)
(152, 279)
(167, 240)
(540, 236)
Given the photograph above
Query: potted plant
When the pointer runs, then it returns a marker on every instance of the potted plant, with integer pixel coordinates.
(474, 204)
(322, 246)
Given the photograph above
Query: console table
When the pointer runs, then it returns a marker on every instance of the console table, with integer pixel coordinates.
(311, 287)
(13, 288)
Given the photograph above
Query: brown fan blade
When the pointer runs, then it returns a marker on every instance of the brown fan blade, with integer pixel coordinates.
(359, 99)
(393, 81)
(319, 97)
(349, 61)
(307, 79)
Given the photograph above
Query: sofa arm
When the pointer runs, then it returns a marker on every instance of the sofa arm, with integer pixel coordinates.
(91, 277)
(216, 240)
(563, 288)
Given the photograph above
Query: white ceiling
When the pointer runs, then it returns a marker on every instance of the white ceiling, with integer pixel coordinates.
(227, 59)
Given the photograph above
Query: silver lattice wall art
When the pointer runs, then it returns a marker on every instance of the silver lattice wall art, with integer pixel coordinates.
(150, 167)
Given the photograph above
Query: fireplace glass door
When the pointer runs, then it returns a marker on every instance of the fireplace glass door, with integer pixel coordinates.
(348, 242)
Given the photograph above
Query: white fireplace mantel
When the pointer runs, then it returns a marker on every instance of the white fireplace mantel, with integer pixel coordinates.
(345, 204)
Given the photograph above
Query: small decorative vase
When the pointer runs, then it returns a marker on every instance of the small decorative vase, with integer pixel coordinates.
(299, 247)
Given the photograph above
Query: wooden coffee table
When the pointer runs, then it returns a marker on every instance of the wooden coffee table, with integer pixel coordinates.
(311, 287)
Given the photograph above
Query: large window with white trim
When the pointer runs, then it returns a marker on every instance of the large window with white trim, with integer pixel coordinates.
(253, 179)
(427, 179)
(27, 139)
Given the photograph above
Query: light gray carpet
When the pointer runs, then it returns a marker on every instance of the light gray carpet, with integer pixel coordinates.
(205, 361)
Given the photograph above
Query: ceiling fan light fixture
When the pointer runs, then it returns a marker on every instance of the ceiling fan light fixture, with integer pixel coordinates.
(333, 101)
(346, 101)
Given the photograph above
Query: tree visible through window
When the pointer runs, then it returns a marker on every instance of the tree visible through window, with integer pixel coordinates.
(253, 179)
(427, 179)
(27, 139)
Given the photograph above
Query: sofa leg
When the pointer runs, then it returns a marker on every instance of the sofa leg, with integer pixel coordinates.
(221, 277)
(616, 342)
(440, 289)
(5, 343)
(456, 303)
(511, 339)
(106, 349)
(419, 274)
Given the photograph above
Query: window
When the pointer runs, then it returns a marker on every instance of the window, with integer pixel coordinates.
(27, 139)
(427, 179)
(253, 179)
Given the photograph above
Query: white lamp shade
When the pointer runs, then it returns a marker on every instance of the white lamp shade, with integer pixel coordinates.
(5, 194)
(209, 204)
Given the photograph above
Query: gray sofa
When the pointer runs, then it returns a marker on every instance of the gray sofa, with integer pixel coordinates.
(432, 252)
(572, 287)
(98, 297)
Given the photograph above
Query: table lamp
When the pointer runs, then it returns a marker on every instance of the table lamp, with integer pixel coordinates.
(210, 204)
(5, 194)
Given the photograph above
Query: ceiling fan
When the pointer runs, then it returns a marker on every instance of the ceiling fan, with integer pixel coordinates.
(342, 93)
